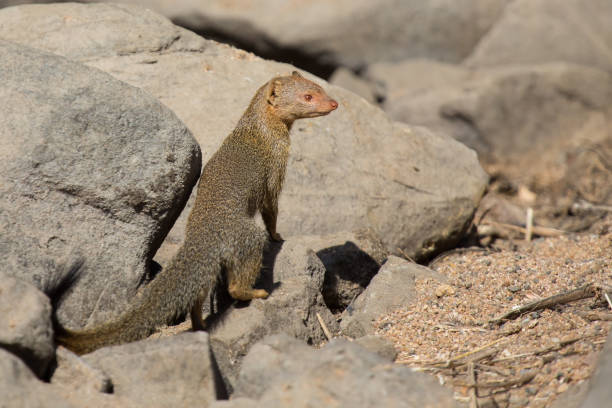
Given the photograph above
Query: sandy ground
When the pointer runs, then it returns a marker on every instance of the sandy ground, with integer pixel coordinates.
(534, 359)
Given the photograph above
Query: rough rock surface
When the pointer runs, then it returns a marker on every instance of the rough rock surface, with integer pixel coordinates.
(600, 393)
(345, 78)
(20, 388)
(538, 31)
(25, 323)
(167, 372)
(92, 166)
(350, 170)
(346, 33)
(281, 371)
(391, 288)
(524, 118)
(74, 372)
(294, 277)
(350, 261)
(379, 345)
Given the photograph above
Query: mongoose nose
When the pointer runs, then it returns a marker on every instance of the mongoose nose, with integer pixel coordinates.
(333, 104)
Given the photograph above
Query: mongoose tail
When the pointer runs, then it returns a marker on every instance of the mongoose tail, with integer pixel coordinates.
(156, 306)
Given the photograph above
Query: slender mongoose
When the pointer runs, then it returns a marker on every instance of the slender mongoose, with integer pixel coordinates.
(243, 177)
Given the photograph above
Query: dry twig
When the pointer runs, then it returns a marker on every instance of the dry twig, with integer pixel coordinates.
(462, 359)
(608, 299)
(525, 378)
(324, 327)
(406, 255)
(529, 224)
(583, 292)
(545, 350)
(537, 230)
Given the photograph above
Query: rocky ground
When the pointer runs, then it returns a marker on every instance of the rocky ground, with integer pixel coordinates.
(541, 357)
(473, 137)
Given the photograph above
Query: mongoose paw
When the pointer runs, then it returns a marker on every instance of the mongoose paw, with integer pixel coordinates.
(276, 237)
(260, 294)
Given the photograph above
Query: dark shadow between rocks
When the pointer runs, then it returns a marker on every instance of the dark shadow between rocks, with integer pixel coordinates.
(349, 270)
(253, 40)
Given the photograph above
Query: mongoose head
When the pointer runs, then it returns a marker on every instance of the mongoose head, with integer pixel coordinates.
(295, 97)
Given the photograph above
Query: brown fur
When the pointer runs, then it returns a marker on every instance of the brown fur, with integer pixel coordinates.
(243, 177)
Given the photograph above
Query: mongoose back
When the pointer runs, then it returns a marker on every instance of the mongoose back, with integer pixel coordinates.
(243, 177)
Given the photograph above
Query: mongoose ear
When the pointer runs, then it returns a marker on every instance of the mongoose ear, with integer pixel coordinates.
(272, 91)
(296, 74)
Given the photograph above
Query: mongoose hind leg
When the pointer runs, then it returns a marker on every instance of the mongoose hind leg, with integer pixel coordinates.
(242, 277)
(196, 313)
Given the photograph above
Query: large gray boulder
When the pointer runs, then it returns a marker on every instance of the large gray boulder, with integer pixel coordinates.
(538, 31)
(280, 372)
(25, 323)
(94, 172)
(343, 33)
(167, 372)
(350, 170)
(529, 119)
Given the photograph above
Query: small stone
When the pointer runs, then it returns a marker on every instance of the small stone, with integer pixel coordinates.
(513, 289)
(562, 388)
(445, 290)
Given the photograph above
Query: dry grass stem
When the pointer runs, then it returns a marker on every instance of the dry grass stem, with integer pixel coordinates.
(583, 292)
(324, 327)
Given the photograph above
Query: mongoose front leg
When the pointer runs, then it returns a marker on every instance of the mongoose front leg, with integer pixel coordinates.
(269, 213)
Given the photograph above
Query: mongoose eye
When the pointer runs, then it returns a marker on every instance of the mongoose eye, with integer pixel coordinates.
(308, 97)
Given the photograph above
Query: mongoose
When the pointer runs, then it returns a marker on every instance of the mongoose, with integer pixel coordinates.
(243, 177)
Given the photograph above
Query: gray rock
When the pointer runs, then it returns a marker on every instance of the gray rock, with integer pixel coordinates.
(347, 33)
(526, 119)
(20, 388)
(350, 259)
(25, 323)
(350, 170)
(379, 345)
(573, 397)
(600, 393)
(92, 166)
(345, 78)
(282, 372)
(538, 31)
(236, 403)
(74, 372)
(390, 289)
(167, 372)
(294, 277)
